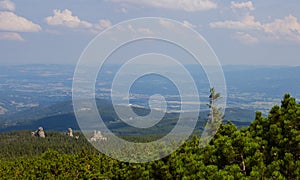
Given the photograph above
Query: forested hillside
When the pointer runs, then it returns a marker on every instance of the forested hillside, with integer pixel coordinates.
(268, 149)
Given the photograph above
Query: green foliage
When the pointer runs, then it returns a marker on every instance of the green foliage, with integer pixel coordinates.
(20, 143)
(268, 149)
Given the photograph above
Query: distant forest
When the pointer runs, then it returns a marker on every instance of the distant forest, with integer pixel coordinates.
(268, 149)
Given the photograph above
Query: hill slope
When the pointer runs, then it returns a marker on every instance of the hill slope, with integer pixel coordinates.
(267, 149)
(60, 116)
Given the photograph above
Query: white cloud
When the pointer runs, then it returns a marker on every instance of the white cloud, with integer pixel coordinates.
(188, 24)
(10, 36)
(287, 28)
(145, 31)
(140, 30)
(11, 22)
(102, 24)
(186, 5)
(168, 24)
(245, 38)
(242, 5)
(7, 5)
(65, 18)
(247, 22)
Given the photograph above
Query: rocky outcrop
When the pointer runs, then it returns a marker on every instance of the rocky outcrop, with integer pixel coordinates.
(98, 137)
(39, 133)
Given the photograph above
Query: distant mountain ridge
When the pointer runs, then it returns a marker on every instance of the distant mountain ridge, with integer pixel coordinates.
(35, 94)
(255, 88)
(60, 116)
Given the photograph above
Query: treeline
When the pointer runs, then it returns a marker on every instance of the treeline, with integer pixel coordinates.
(17, 144)
(268, 149)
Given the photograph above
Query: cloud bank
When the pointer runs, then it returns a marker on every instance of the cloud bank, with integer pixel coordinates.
(7, 5)
(11, 22)
(10, 36)
(242, 5)
(287, 28)
(245, 38)
(65, 18)
(247, 22)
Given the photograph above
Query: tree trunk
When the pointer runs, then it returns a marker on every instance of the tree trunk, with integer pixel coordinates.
(243, 169)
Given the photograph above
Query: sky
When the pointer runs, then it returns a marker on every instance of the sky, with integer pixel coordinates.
(240, 32)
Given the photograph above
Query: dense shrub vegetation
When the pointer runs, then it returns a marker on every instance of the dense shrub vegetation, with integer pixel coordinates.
(268, 149)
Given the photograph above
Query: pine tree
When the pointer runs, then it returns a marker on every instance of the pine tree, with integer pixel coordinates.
(215, 118)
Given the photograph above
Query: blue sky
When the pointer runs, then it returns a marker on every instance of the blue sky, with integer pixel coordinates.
(240, 32)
